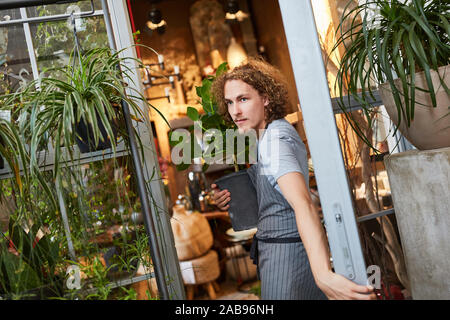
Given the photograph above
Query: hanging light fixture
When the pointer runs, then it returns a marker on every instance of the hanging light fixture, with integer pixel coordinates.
(236, 54)
(156, 22)
(233, 11)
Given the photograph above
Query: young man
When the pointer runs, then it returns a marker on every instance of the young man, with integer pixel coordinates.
(291, 246)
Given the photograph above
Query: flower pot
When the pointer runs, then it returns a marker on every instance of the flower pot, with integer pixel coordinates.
(85, 137)
(430, 128)
(419, 182)
(243, 209)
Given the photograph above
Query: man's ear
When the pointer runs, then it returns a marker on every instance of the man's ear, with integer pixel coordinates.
(266, 100)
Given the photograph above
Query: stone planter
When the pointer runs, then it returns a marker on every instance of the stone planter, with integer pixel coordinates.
(420, 187)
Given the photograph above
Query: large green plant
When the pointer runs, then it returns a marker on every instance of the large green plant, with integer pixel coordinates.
(389, 39)
(209, 119)
(48, 111)
(90, 91)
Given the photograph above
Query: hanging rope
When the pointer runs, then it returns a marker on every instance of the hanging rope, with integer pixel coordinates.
(77, 50)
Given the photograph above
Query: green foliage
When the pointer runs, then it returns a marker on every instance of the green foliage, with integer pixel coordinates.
(91, 90)
(209, 119)
(28, 262)
(129, 294)
(256, 289)
(404, 37)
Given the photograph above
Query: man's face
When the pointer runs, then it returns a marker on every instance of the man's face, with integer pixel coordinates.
(245, 105)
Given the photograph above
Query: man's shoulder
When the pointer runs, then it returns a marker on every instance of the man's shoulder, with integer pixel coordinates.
(281, 128)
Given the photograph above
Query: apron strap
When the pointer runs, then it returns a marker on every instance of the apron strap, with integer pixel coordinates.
(254, 247)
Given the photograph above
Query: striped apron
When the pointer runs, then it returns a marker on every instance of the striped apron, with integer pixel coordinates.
(277, 250)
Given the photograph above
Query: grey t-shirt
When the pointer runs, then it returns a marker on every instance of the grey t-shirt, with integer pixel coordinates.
(280, 151)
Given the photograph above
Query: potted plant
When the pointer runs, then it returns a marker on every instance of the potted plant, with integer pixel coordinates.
(402, 46)
(243, 209)
(79, 103)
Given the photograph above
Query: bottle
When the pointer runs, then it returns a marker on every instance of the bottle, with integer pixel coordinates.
(196, 184)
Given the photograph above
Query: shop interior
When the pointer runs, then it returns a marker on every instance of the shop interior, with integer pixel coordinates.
(191, 40)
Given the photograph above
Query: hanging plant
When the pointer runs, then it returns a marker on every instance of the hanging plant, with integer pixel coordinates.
(83, 106)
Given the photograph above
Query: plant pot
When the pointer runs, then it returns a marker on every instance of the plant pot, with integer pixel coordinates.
(85, 136)
(419, 182)
(243, 209)
(430, 128)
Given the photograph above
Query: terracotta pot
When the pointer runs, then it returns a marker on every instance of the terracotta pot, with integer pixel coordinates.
(430, 128)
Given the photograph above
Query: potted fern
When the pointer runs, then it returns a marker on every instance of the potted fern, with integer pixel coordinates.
(404, 47)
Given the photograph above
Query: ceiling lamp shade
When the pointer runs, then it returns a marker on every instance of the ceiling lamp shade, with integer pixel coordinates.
(233, 12)
(236, 54)
(156, 21)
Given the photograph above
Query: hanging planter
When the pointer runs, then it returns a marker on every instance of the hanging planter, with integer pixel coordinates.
(81, 106)
(85, 136)
(431, 126)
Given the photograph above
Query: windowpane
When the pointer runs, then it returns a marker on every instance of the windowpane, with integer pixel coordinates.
(55, 41)
(54, 9)
(15, 67)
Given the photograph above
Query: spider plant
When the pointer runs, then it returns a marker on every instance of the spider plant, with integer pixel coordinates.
(88, 91)
(12, 150)
(385, 40)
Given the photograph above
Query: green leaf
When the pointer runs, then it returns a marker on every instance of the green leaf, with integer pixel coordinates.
(221, 69)
(192, 113)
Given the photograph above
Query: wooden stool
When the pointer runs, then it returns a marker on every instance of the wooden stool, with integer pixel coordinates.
(211, 287)
(201, 271)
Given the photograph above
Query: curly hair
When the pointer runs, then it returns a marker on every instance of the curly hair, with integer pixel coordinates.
(264, 78)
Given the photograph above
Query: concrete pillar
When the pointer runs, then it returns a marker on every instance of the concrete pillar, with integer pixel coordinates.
(420, 186)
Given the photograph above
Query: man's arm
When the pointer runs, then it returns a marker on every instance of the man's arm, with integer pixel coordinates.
(294, 189)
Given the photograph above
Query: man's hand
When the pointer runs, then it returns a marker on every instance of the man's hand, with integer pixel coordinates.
(337, 287)
(221, 197)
